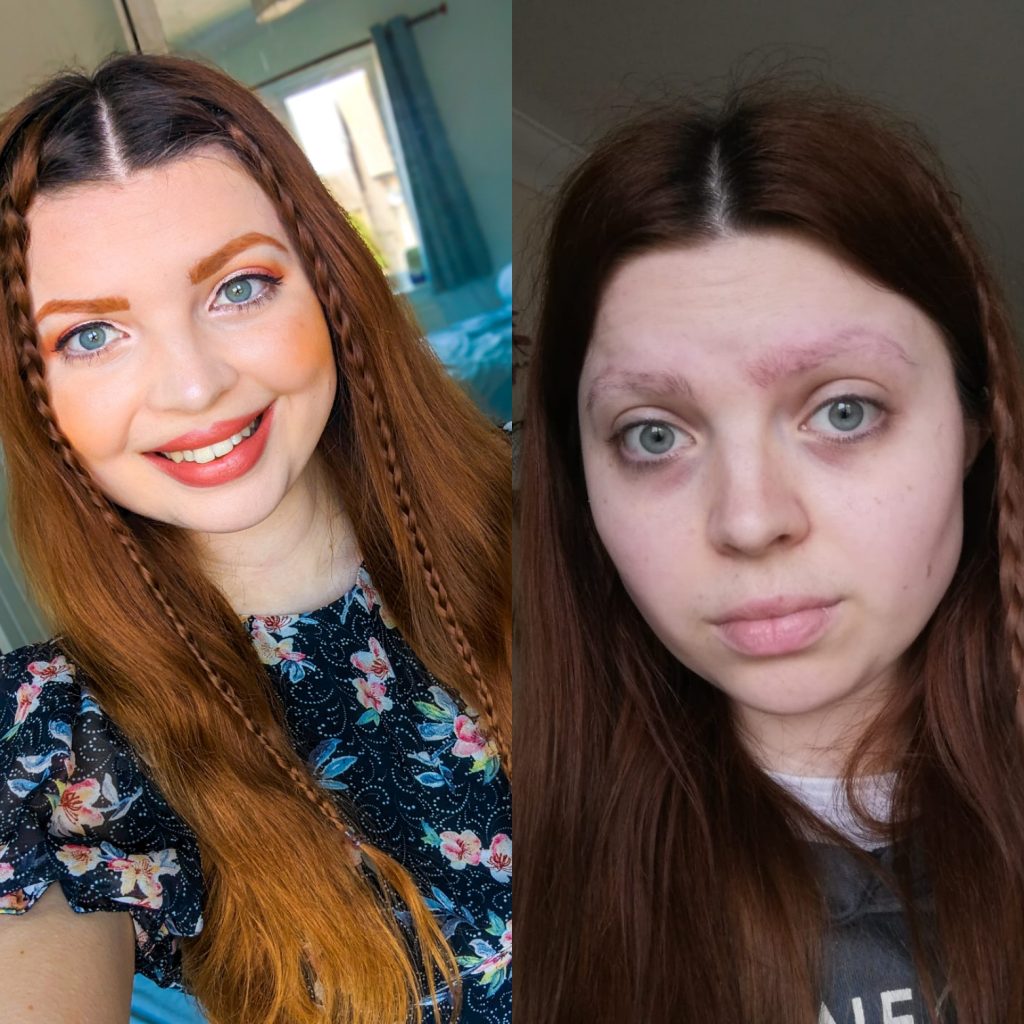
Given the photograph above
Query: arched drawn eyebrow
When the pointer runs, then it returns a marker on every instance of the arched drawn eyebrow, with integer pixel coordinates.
(200, 271)
(790, 361)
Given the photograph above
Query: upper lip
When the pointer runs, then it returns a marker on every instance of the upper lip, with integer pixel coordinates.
(773, 608)
(219, 431)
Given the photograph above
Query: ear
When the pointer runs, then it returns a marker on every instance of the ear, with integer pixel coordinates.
(975, 435)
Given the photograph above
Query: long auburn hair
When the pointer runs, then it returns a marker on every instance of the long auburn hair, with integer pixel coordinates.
(664, 875)
(425, 481)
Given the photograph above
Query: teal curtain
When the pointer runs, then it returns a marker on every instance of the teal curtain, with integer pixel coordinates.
(453, 245)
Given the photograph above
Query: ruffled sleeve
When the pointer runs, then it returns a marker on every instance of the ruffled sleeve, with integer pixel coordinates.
(76, 807)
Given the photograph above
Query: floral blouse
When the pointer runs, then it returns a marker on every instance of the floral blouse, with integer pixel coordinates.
(361, 709)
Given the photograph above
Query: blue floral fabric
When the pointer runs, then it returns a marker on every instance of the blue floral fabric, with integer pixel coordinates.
(374, 725)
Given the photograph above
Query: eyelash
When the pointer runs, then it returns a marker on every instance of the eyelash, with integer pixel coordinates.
(617, 439)
(272, 281)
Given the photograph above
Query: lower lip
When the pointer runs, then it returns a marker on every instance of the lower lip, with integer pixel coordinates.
(229, 467)
(783, 635)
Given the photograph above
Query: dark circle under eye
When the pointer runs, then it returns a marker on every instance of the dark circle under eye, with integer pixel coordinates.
(239, 290)
(92, 338)
(846, 414)
(656, 438)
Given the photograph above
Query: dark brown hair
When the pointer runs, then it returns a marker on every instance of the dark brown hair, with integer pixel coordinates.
(424, 479)
(663, 879)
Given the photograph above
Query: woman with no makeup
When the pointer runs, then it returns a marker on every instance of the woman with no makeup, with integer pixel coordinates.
(773, 611)
(264, 756)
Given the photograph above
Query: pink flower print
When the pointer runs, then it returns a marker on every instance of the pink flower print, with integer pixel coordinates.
(6, 870)
(461, 848)
(468, 740)
(73, 807)
(280, 624)
(271, 651)
(143, 871)
(499, 858)
(373, 695)
(368, 596)
(79, 859)
(27, 700)
(14, 903)
(374, 662)
(58, 669)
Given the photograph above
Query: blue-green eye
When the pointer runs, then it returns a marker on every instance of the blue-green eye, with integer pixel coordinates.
(239, 290)
(247, 290)
(87, 340)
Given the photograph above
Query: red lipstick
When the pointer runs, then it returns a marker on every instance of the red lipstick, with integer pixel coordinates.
(220, 431)
(221, 470)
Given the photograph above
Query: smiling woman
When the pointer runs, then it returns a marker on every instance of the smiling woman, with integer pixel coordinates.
(772, 459)
(271, 731)
(222, 318)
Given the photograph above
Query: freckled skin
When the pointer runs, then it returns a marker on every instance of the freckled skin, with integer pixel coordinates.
(755, 501)
(178, 365)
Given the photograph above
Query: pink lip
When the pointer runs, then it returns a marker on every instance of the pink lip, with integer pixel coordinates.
(220, 431)
(774, 607)
(780, 625)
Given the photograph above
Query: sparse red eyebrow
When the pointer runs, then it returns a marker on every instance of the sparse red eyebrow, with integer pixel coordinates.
(763, 371)
(202, 269)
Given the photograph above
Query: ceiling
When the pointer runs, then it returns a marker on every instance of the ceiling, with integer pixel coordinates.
(185, 17)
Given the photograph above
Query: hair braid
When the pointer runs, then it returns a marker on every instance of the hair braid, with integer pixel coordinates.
(1002, 392)
(352, 353)
(14, 202)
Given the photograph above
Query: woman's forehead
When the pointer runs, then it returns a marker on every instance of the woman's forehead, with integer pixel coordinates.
(772, 305)
(171, 214)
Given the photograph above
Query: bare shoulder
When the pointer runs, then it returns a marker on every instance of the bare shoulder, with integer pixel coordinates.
(89, 982)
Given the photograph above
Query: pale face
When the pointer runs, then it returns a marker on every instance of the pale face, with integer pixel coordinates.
(760, 423)
(172, 312)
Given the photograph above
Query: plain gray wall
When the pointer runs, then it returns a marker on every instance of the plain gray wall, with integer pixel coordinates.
(956, 69)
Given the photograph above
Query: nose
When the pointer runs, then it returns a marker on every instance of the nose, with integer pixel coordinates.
(757, 505)
(187, 373)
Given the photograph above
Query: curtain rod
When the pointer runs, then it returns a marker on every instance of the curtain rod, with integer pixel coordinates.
(433, 12)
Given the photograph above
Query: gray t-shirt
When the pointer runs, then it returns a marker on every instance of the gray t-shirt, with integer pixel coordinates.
(870, 973)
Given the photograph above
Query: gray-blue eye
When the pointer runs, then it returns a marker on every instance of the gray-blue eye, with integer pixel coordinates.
(846, 418)
(656, 438)
(641, 441)
(846, 414)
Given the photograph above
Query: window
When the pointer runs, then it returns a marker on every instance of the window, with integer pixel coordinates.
(339, 114)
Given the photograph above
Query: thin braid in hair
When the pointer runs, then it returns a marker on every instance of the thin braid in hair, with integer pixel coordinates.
(1003, 421)
(356, 363)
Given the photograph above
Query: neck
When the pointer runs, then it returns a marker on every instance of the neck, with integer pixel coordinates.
(819, 743)
(301, 557)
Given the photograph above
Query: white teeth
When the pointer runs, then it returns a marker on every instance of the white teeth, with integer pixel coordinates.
(213, 451)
